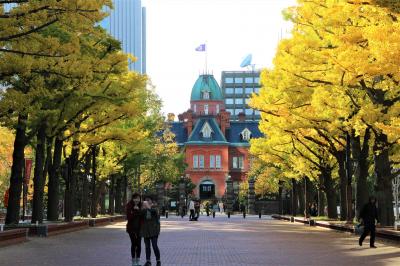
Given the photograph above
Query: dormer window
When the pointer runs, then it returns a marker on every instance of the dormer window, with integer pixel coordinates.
(246, 134)
(206, 95)
(206, 130)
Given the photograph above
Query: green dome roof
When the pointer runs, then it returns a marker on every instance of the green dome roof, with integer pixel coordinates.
(206, 83)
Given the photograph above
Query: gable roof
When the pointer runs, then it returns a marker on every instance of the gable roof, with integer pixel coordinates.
(180, 132)
(216, 137)
(233, 133)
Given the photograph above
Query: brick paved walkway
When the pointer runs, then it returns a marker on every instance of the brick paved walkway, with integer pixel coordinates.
(207, 242)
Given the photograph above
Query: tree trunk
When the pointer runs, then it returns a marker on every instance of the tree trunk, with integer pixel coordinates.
(73, 178)
(67, 193)
(360, 155)
(93, 211)
(383, 180)
(294, 197)
(16, 177)
(321, 203)
(118, 195)
(300, 194)
(125, 196)
(85, 186)
(39, 176)
(330, 191)
(280, 198)
(54, 181)
(341, 159)
(111, 189)
(349, 174)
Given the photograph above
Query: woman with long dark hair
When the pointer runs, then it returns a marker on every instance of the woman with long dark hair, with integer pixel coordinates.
(133, 213)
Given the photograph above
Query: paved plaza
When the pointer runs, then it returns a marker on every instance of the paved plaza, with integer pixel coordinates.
(218, 241)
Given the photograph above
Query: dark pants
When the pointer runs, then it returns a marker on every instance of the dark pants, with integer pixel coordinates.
(153, 241)
(191, 215)
(368, 229)
(135, 245)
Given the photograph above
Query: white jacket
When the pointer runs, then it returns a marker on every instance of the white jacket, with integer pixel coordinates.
(191, 205)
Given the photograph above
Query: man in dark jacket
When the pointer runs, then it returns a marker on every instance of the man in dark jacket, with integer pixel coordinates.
(369, 214)
(133, 214)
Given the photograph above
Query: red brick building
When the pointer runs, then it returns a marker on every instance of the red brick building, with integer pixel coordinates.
(215, 147)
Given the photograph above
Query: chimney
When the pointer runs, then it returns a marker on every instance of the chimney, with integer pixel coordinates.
(242, 117)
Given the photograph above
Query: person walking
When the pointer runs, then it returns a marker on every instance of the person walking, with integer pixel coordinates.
(150, 230)
(191, 210)
(243, 209)
(133, 214)
(369, 214)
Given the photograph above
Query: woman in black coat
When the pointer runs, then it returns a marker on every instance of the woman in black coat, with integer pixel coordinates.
(150, 230)
(133, 213)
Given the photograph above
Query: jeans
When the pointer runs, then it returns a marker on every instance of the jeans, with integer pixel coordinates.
(368, 229)
(135, 245)
(192, 216)
(153, 241)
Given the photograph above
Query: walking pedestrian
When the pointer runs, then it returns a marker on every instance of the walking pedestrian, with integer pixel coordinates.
(243, 209)
(191, 210)
(369, 214)
(133, 213)
(150, 230)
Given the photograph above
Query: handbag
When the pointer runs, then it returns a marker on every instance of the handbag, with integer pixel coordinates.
(359, 229)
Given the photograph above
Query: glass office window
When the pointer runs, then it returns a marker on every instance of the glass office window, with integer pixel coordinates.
(239, 101)
(238, 80)
(239, 90)
(257, 90)
(247, 100)
(228, 80)
(237, 111)
(228, 101)
(249, 90)
(248, 80)
(256, 112)
(249, 111)
(218, 161)
(257, 80)
(229, 91)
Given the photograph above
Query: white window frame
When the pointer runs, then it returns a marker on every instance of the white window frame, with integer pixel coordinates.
(246, 134)
(212, 161)
(234, 162)
(195, 161)
(195, 108)
(217, 108)
(206, 109)
(206, 130)
(206, 95)
(218, 161)
(240, 160)
(201, 161)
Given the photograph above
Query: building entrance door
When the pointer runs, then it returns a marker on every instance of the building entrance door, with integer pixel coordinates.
(207, 190)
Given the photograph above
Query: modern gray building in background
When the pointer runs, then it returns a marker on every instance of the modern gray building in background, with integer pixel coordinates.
(127, 23)
(237, 87)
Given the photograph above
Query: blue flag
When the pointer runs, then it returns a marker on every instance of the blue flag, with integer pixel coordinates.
(201, 48)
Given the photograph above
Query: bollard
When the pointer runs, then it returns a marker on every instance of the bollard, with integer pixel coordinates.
(166, 214)
(213, 214)
(229, 215)
(259, 215)
(244, 215)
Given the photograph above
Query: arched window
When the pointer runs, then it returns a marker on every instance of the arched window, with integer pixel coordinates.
(206, 95)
